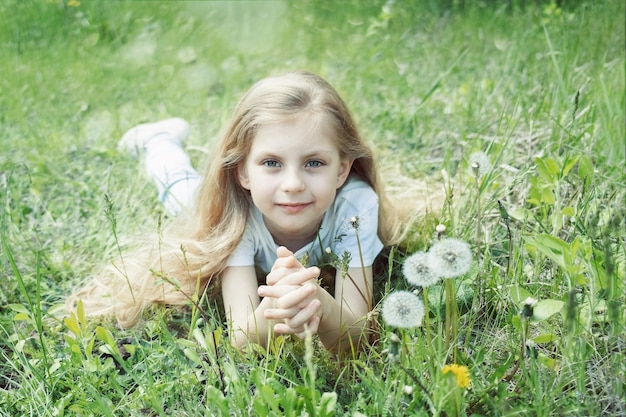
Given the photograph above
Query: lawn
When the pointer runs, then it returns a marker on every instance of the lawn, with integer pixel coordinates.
(516, 109)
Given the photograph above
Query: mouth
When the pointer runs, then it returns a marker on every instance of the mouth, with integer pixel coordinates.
(292, 208)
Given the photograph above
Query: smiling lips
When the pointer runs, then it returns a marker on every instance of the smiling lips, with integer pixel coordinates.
(293, 208)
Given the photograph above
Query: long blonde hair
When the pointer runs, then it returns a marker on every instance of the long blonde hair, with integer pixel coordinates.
(193, 252)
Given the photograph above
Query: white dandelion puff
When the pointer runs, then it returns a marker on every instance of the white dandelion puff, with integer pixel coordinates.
(450, 258)
(417, 270)
(403, 309)
(479, 164)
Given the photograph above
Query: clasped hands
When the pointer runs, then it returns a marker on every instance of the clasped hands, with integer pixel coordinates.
(294, 290)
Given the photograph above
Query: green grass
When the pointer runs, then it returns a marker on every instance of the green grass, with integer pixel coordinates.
(538, 87)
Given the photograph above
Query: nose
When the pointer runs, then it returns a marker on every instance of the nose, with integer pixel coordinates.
(292, 181)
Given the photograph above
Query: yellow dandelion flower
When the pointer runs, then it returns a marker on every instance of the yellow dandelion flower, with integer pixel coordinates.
(73, 3)
(460, 372)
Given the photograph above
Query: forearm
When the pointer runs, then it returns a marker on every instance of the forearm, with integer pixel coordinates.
(340, 330)
(244, 310)
(256, 329)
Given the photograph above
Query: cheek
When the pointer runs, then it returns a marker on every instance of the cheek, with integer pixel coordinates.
(257, 185)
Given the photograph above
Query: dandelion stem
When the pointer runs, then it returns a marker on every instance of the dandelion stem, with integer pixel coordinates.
(110, 215)
(367, 288)
(505, 218)
(426, 325)
(452, 317)
(417, 382)
(478, 233)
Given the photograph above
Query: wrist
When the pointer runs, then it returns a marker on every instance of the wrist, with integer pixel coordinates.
(326, 301)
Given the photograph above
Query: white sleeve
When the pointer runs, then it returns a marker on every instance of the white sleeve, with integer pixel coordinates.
(243, 255)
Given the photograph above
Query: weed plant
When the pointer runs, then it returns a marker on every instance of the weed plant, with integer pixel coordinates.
(538, 87)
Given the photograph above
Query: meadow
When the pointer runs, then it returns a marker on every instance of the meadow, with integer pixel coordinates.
(516, 109)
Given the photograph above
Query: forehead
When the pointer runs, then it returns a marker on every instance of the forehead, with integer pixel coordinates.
(304, 132)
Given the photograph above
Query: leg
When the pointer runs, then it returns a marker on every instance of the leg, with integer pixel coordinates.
(166, 161)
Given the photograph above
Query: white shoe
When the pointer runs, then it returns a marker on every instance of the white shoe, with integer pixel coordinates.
(137, 138)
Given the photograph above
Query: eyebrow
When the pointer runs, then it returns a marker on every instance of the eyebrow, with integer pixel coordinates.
(314, 153)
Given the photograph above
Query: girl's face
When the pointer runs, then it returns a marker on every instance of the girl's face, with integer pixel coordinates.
(293, 171)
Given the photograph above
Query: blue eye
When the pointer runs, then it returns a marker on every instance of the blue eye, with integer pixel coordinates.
(271, 163)
(314, 164)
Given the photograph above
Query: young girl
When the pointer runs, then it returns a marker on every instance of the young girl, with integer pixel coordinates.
(291, 182)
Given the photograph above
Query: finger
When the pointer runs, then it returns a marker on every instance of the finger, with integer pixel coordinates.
(282, 328)
(311, 327)
(280, 313)
(300, 277)
(284, 265)
(282, 268)
(303, 316)
(276, 291)
(277, 275)
(297, 298)
(282, 252)
(291, 276)
(287, 262)
(286, 259)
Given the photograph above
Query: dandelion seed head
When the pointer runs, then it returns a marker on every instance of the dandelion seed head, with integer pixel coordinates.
(417, 270)
(479, 163)
(450, 258)
(441, 228)
(403, 309)
(407, 390)
(460, 372)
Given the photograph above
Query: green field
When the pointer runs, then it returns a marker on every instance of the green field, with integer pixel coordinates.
(538, 86)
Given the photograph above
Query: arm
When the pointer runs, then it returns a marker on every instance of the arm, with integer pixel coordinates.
(244, 311)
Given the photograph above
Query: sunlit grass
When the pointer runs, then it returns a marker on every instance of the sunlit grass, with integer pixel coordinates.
(539, 89)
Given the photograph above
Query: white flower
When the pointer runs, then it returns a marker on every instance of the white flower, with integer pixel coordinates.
(450, 258)
(417, 271)
(479, 164)
(403, 309)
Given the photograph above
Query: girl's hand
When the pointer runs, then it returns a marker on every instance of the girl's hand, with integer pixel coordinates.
(295, 303)
(294, 290)
(296, 308)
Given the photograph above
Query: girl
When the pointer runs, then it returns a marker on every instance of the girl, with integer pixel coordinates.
(291, 182)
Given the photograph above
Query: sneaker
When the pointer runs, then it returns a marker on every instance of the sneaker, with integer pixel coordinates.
(136, 139)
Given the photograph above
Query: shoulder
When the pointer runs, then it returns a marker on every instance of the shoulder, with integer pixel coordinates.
(356, 199)
(356, 209)
(356, 191)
